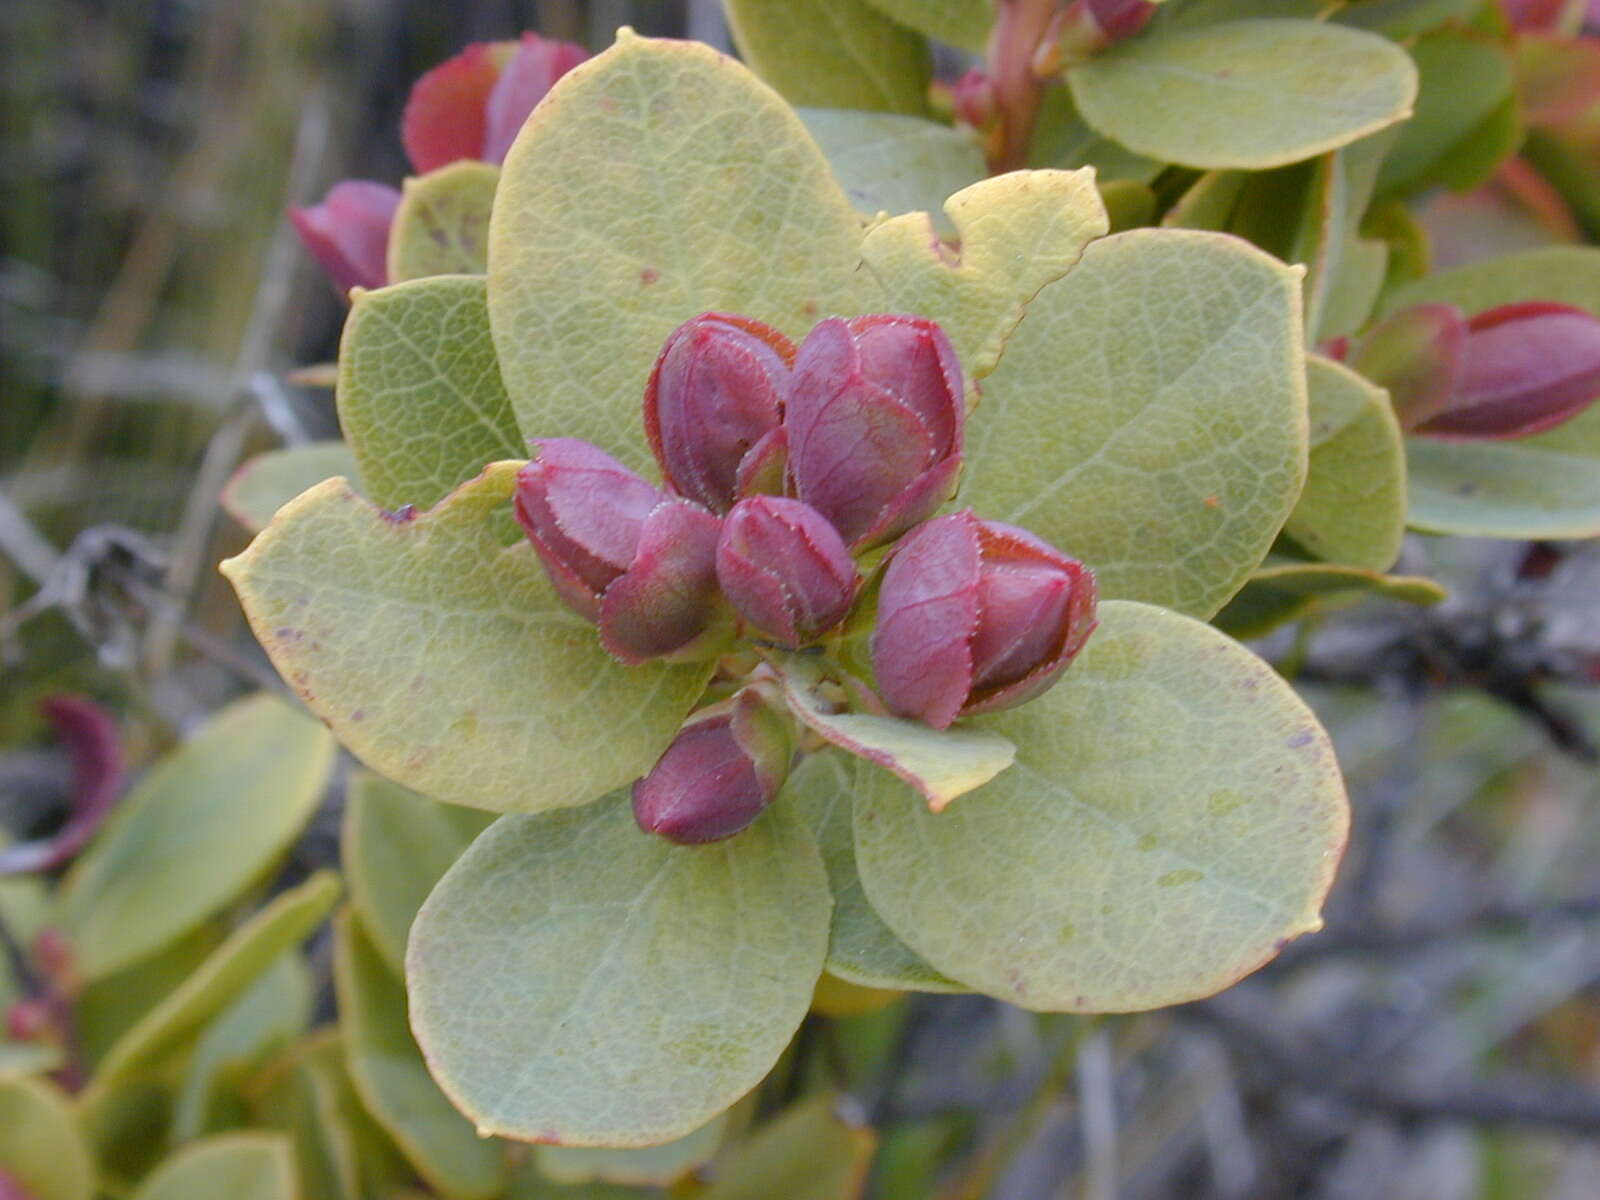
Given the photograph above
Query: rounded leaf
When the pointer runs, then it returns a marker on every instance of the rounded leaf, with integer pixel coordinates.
(40, 1145)
(1174, 816)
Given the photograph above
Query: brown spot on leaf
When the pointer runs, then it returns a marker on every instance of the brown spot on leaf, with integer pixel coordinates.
(287, 634)
(1212, 502)
(810, 308)
(399, 516)
(648, 276)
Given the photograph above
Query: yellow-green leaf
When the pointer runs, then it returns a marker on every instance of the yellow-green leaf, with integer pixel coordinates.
(683, 971)
(269, 481)
(1284, 590)
(1174, 817)
(888, 163)
(806, 1153)
(443, 658)
(238, 1166)
(1253, 93)
(963, 23)
(206, 822)
(1149, 416)
(1353, 508)
(40, 1146)
(420, 397)
(442, 224)
(641, 1165)
(660, 180)
(393, 1082)
(1018, 232)
(833, 53)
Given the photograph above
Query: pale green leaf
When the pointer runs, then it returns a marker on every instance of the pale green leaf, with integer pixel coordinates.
(1252, 93)
(232, 967)
(1353, 508)
(442, 224)
(443, 658)
(420, 397)
(28, 1058)
(1405, 18)
(683, 971)
(40, 1146)
(107, 1008)
(396, 844)
(637, 1165)
(806, 1153)
(1149, 416)
(661, 180)
(861, 948)
(269, 481)
(204, 824)
(940, 763)
(267, 1015)
(1019, 232)
(306, 1093)
(962, 23)
(1175, 815)
(238, 1166)
(1561, 274)
(393, 1082)
(888, 163)
(1285, 590)
(833, 53)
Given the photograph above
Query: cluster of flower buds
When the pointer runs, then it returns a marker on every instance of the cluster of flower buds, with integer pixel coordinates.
(784, 466)
(468, 107)
(1508, 372)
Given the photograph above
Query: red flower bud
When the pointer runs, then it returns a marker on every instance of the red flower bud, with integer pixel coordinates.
(1524, 368)
(1086, 28)
(1119, 19)
(785, 569)
(348, 233)
(975, 616)
(714, 400)
(618, 551)
(1535, 16)
(874, 414)
(722, 769)
(973, 100)
(1416, 354)
(473, 104)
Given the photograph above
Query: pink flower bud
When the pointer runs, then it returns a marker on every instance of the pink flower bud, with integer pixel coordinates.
(1535, 16)
(1416, 354)
(1525, 368)
(785, 569)
(874, 414)
(1086, 28)
(1119, 19)
(473, 104)
(723, 768)
(975, 616)
(11, 1187)
(973, 100)
(639, 563)
(715, 398)
(348, 233)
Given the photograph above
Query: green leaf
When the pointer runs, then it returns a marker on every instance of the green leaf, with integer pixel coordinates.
(208, 821)
(1174, 817)
(1406, 18)
(806, 1153)
(267, 1015)
(861, 948)
(888, 163)
(269, 481)
(442, 224)
(1018, 232)
(306, 1093)
(40, 1146)
(1468, 82)
(1353, 508)
(240, 1166)
(641, 1165)
(1148, 416)
(396, 844)
(833, 53)
(443, 658)
(962, 23)
(393, 1082)
(28, 1058)
(661, 180)
(684, 971)
(940, 763)
(233, 967)
(1546, 486)
(107, 1008)
(1253, 94)
(1286, 590)
(420, 397)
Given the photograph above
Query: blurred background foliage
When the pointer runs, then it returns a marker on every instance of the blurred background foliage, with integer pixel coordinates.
(1439, 1041)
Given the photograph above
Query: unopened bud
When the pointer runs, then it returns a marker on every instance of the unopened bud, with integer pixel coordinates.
(1416, 354)
(724, 767)
(348, 233)
(875, 415)
(785, 569)
(714, 399)
(975, 616)
(1086, 28)
(972, 99)
(639, 563)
